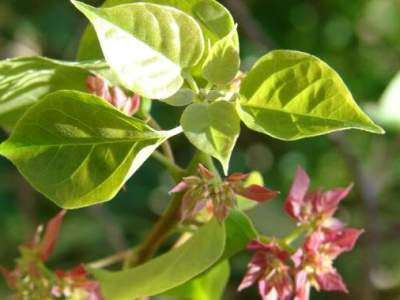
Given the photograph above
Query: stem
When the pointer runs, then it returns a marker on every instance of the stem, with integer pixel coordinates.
(191, 82)
(110, 260)
(157, 235)
(296, 234)
(166, 146)
(175, 171)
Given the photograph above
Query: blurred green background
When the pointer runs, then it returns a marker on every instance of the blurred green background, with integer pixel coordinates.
(359, 38)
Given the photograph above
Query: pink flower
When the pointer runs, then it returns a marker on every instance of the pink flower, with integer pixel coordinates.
(314, 262)
(269, 269)
(75, 280)
(129, 105)
(313, 207)
(203, 191)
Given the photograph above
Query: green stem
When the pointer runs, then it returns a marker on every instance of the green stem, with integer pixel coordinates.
(158, 234)
(110, 260)
(191, 82)
(166, 146)
(175, 171)
(296, 234)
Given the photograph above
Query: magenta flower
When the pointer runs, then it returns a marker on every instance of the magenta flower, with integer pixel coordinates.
(129, 105)
(313, 207)
(203, 191)
(314, 261)
(268, 268)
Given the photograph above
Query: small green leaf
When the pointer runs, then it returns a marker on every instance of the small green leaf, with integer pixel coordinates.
(239, 232)
(147, 45)
(183, 97)
(387, 111)
(23, 81)
(208, 286)
(169, 270)
(254, 178)
(212, 128)
(223, 61)
(214, 19)
(291, 95)
(77, 149)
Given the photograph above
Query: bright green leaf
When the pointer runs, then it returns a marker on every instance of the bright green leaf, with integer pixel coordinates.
(23, 81)
(214, 19)
(254, 178)
(387, 111)
(147, 45)
(223, 61)
(79, 150)
(290, 95)
(208, 286)
(239, 232)
(169, 270)
(212, 128)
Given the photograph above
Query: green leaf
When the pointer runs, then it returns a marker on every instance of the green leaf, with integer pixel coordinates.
(23, 81)
(291, 95)
(183, 97)
(214, 19)
(208, 286)
(169, 270)
(387, 111)
(77, 149)
(147, 45)
(212, 128)
(223, 61)
(239, 232)
(244, 203)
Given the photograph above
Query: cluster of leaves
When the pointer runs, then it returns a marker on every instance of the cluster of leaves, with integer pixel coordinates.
(80, 130)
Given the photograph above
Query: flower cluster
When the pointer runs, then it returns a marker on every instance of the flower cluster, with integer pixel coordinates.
(203, 190)
(284, 274)
(31, 279)
(129, 105)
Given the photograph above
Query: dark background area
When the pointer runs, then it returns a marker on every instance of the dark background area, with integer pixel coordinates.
(359, 38)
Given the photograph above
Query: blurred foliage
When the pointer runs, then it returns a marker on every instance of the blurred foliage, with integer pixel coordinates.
(359, 38)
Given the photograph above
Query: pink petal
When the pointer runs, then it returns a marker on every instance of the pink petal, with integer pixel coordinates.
(297, 257)
(331, 281)
(134, 105)
(342, 240)
(313, 242)
(330, 200)
(250, 278)
(180, 187)
(46, 246)
(257, 246)
(118, 97)
(297, 193)
(257, 193)
(302, 286)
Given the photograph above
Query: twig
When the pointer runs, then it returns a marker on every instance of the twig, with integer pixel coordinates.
(110, 260)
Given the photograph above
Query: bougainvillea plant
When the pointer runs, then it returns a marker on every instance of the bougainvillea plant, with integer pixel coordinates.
(79, 130)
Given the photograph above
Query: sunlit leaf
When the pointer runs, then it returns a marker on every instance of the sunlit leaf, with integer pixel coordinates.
(23, 81)
(77, 149)
(223, 61)
(291, 95)
(169, 270)
(214, 19)
(212, 128)
(147, 45)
